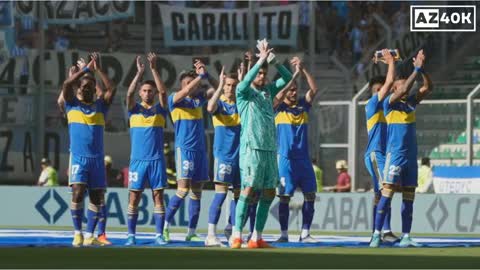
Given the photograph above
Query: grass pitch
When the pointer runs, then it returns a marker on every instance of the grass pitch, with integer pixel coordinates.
(227, 259)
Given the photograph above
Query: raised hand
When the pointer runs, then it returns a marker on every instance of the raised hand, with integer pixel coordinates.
(199, 67)
(387, 56)
(140, 65)
(240, 71)
(96, 58)
(81, 63)
(296, 61)
(72, 70)
(152, 59)
(221, 78)
(264, 51)
(298, 68)
(419, 60)
(91, 65)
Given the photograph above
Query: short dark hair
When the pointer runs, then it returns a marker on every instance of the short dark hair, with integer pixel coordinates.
(426, 161)
(190, 73)
(375, 80)
(264, 66)
(402, 72)
(149, 82)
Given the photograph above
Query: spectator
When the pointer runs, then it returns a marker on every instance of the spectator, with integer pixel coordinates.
(357, 37)
(343, 179)
(48, 177)
(229, 4)
(114, 177)
(425, 177)
(333, 25)
(304, 22)
(318, 175)
(61, 43)
(400, 20)
(20, 53)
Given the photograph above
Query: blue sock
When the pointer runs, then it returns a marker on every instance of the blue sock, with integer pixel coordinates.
(388, 218)
(172, 208)
(92, 218)
(374, 216)
(194, 213)
(231, 218)
(283, 214)
(407, 211)
(77, 215)
(382, 207)
(102, 220)
(308, 209)
(216, 208)
(252, 212)
(132, 219)
(159, 217)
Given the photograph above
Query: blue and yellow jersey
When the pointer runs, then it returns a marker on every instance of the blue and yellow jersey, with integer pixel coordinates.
(292, 129)
(146, 131)
(86, 123)
(187, 117)
(401, 127)
(227, 130)
(376, 126)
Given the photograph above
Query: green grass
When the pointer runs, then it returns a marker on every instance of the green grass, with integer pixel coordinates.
(228, 259)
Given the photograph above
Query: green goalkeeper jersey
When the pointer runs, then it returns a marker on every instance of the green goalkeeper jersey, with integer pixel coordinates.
(255, 107)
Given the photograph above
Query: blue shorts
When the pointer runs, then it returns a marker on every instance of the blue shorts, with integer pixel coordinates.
(227, 172)
(295, 173)
(142, 171)
(375, 163)
(401, 170)
(87, 171)
(191, 165)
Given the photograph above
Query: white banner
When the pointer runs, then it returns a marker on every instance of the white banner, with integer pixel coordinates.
(77, 12)
(460, 180)
(208, 27)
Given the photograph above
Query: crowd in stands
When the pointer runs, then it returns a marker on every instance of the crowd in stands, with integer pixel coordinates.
(348, 27)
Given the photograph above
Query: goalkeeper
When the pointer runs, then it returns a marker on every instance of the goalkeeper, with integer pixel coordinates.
(258, 162)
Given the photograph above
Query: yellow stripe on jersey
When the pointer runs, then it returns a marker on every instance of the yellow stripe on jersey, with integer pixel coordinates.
(139, 120)
(399, 117)
(291, 119)
(76, 116)
(376, 118)
(226, 120)
(187, 114)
